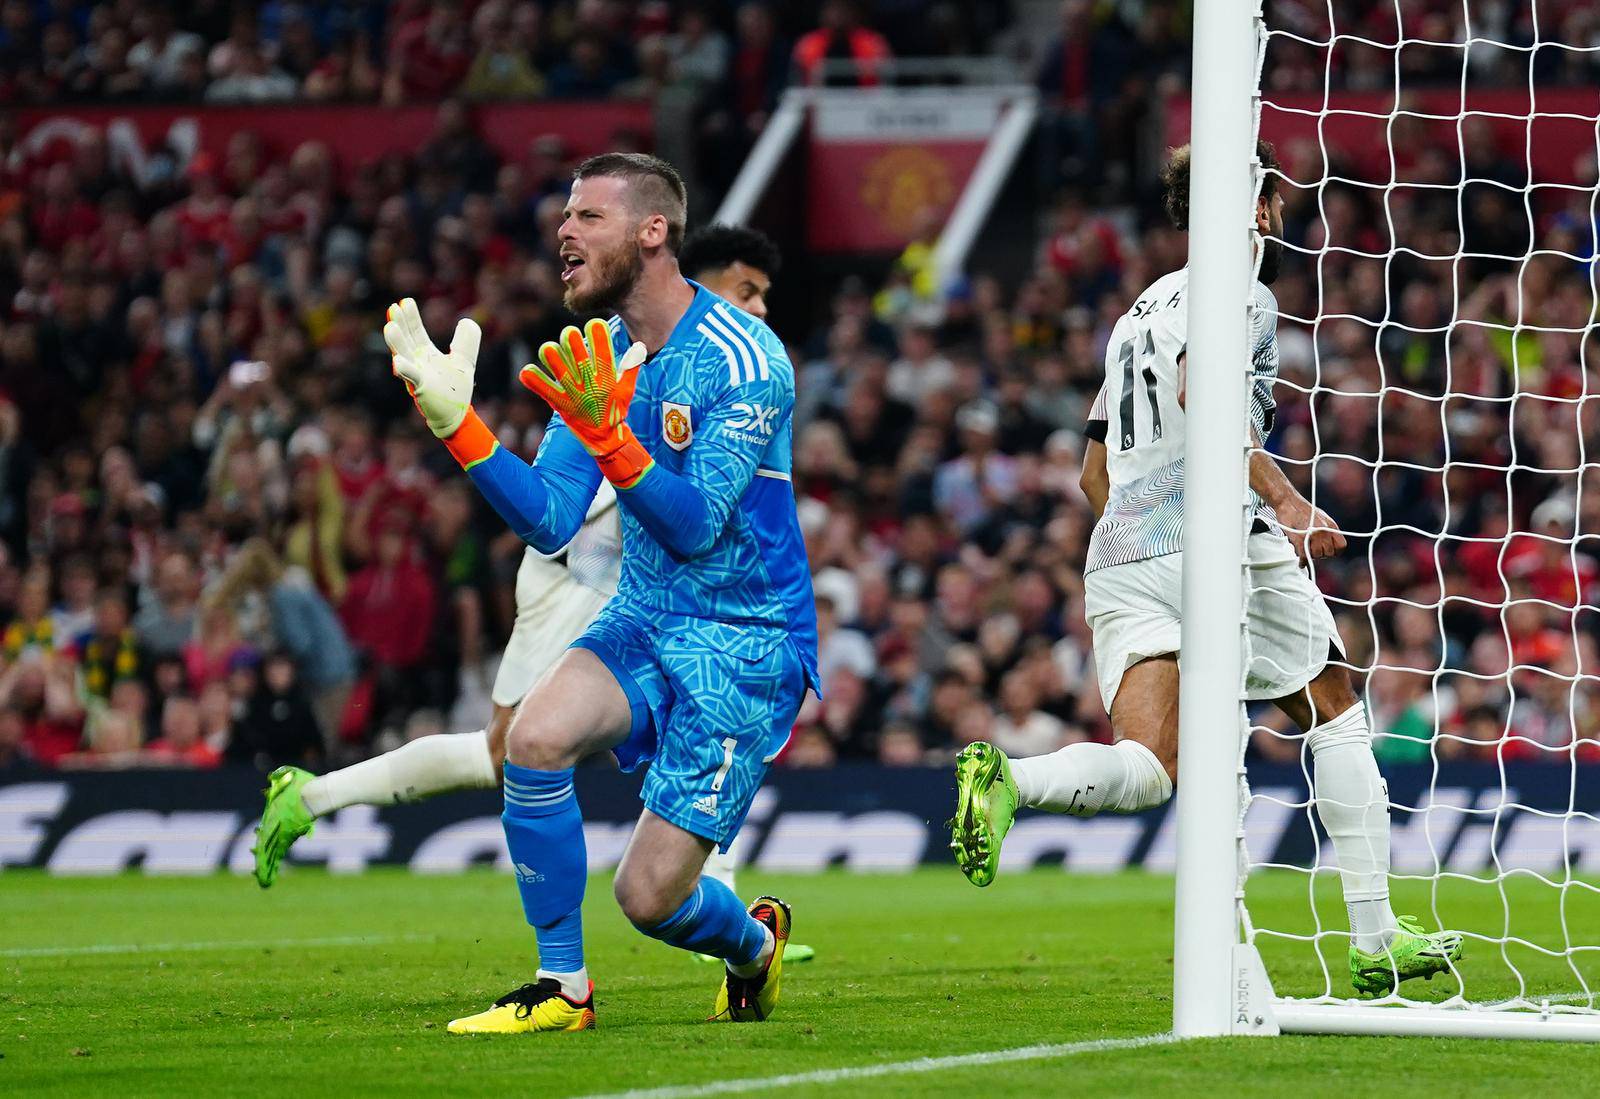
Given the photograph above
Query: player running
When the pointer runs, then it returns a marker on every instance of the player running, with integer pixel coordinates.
(1133, 477)
(557, 597)
(699, 663)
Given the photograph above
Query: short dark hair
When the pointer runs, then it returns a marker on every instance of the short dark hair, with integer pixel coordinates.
(713, 248)
(658, 188)
(1175, 180)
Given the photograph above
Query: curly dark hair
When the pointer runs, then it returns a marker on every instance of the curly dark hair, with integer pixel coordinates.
(1175, 181)
(713, 248)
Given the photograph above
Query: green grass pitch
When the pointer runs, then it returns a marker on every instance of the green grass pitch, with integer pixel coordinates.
(218, 998)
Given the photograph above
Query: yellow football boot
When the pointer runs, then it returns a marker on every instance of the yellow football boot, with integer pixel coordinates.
(539, 1006)
(751, 999)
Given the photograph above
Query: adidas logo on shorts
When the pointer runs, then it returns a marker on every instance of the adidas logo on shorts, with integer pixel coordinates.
(706, 805)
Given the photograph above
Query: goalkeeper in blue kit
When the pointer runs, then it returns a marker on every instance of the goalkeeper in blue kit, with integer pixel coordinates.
(699, 664)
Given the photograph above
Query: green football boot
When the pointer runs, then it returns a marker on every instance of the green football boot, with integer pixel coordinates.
(986, 803)
(793, 954)
(1413, 953)
(284, 820)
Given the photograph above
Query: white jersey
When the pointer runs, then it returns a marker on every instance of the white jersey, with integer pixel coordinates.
(556, 601)
(594, 556)
(1138, 417)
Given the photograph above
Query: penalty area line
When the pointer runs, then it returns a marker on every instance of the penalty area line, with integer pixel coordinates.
(893, 1068)
(219, 944)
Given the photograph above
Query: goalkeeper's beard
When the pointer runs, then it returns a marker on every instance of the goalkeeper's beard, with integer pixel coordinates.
(614, 279)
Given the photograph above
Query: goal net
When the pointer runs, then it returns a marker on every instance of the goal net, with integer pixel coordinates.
(1436, 324)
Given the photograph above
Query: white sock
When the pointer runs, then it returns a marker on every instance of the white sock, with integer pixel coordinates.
(1353, 802)
(574, 985)
(1084, 779)
(428, 765)
(719, 865)
(760, 961)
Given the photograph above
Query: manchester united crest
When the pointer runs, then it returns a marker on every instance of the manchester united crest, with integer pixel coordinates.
(677, 426)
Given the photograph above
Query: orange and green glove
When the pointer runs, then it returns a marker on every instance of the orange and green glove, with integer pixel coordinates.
(581, 380)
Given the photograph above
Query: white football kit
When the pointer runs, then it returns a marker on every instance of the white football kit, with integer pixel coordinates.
(556, 599)
(1133, 578)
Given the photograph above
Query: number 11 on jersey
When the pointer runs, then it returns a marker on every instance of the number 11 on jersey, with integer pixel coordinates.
(1146, 359)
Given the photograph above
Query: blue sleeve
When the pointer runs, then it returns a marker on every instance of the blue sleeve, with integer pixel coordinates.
(544, 503)
(686, 512)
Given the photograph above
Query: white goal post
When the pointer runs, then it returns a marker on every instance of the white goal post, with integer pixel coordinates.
(1546, 980)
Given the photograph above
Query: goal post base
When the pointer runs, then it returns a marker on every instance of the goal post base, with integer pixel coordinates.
(1254, 1012)
(1297, 1017)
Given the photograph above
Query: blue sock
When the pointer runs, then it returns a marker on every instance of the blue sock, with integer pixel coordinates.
(713, 921)
(544, 833)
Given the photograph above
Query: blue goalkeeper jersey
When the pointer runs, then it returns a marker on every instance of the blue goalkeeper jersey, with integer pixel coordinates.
(710, 532)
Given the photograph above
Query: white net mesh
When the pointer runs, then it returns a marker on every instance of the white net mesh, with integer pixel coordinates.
(1436, 397)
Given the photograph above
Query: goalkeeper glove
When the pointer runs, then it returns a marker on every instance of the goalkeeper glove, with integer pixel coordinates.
(440, 383)
(581, 381)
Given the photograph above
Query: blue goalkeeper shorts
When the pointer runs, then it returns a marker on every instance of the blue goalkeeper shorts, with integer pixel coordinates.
(713, 705)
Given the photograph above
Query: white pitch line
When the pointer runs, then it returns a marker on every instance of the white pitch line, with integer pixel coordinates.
(893, 1068)
(219, 944)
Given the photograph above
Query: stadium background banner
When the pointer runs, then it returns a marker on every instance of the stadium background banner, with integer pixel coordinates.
(356, 134)
(859, 817)
(880, 169)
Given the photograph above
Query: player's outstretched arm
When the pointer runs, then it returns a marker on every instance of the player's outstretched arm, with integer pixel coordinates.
(1311, 531)
(543, 503)
(686, 511)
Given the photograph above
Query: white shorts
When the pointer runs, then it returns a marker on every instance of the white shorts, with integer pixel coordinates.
(1135, 611)
(552, 610)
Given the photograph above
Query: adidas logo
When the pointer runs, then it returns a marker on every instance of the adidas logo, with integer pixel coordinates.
(706, 805)
(528, 874)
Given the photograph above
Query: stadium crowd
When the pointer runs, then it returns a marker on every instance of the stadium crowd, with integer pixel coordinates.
(226, 535)
(409, 51)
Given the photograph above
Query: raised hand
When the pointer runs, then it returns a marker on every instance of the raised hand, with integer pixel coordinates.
(439, 382)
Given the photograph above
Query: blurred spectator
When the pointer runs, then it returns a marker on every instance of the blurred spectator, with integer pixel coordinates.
(216, 709)
(302, 623)
(809, 748)
(277, 726)
(252, 78)
(698, 51)
(970, 486)
(32, 631)
(181, 743)
(1022, 729)
(109, 651)
(159, 56)
(841, 37)
(587, 71)
(166, 622)
(900, 747)
(114, 739)
(502, 67)
(389, 613)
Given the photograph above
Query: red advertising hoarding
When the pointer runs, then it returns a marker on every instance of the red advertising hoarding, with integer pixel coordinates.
(356, 134)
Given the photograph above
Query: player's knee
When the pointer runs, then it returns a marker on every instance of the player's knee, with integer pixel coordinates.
(1148, 779)
(530, 742)
(1159, 754)
(646, 905)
